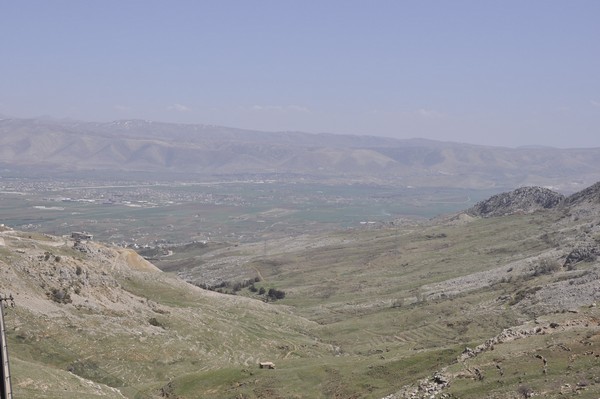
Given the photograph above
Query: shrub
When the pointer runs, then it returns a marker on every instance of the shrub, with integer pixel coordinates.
(275, 294)
(522, 294)
(60, 295)
(546, 266)
(525, 391)
(154, 322)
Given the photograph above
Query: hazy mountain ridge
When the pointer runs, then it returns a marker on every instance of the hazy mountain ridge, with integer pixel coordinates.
(208, 150)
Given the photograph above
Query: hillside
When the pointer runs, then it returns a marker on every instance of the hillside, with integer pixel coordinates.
(521, 200)
(367, 313)
(91, 321)
(402, 303)
(55, 147)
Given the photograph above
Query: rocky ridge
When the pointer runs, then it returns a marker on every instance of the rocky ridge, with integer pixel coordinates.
(521, 200)
(533, 198)
(590, 195)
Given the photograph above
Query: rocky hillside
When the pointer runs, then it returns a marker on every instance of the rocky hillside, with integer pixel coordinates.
(462, 307)
(52, 146)
(589, 196)
(521, 200)
(93, 321)
(531, 199)
(469, 307)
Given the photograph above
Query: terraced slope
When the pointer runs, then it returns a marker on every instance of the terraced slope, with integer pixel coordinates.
(459, 307)
(391, 297)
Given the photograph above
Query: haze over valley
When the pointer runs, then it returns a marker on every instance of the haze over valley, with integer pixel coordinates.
(377, 257)
(289, 200)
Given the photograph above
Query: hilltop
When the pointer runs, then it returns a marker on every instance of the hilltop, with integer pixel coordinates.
(521, 200)
(464, 306)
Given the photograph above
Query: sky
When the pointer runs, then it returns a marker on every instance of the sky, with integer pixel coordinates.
(503, 73)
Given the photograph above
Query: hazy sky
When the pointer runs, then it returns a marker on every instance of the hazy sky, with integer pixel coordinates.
(487, 72)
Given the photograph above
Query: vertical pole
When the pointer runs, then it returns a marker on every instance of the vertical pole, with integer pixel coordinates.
(5, 369)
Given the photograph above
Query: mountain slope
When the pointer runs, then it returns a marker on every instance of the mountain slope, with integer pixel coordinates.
(144, 146)
(402, 303)
(521, 200)
(462, 306)
(104, 322)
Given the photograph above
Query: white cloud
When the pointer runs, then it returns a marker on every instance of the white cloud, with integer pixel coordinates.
(430, 114)
(595, 103)
(298, 108)
(280, 108)
(178, 108)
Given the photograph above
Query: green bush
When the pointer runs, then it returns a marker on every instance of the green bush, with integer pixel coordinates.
(275, 294)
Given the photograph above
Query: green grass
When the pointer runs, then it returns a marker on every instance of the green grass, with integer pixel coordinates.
(225, 211)
(362, 317)
(577, 365)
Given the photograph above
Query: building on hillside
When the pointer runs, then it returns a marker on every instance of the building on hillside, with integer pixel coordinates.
(266, 365)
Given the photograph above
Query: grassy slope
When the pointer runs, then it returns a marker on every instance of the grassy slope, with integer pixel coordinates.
(128, 329)
(366, 313)
(373, 295)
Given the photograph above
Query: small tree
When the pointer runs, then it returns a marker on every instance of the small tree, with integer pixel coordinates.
(275, 294)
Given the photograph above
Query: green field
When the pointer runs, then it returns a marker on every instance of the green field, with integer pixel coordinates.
(146, 213)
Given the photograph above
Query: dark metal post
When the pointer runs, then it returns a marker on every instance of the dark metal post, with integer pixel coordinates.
(6, 385)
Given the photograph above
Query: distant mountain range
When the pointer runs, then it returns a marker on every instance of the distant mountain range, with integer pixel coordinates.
(204, 150)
